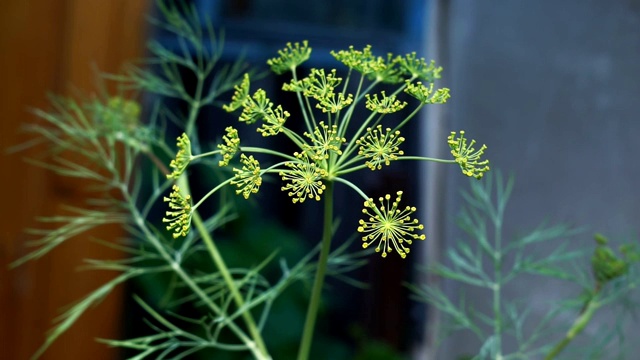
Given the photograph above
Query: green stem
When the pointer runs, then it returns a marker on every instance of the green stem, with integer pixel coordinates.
(177, 268)
(497, 287)
(577, 327)
(226, 275)
(312, 311)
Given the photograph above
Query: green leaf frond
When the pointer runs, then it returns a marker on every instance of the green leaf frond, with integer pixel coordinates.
(323, 141)
(230, 147)
(418, 68)
(466, 156)
(183, 157)
(103, 133)
(197, 49)
(70, 226)
(384, 105)
(290, 57)
(177, 342)
(273, 122)
(389, 226)
(303, 179)
(249, 178)
(426, 95)
(179, 217)
(380, 147)
(69, 317)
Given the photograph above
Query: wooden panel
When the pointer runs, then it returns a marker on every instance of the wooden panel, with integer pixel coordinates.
(49, 46)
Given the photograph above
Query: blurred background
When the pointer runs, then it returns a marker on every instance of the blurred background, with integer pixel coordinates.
(551, 87)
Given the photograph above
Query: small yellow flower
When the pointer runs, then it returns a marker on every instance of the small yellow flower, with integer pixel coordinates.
(230, 147)
(388, 226)
(467, 157)
(303, 180)
(426, 95)
(274, 121)
(183, 157)
(385, 105)
(255, 107)
(324, 140)
(179, 218)
(290, 57)
(248, 179)
(418, 68)
(239, 96)
(380, 147)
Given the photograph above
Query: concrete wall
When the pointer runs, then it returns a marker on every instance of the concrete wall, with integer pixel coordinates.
(553, 88)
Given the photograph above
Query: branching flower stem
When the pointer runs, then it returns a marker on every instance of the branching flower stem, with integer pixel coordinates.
(578, 325)
(424, 158)
(312, 311)
(261, 351)
(253, 345)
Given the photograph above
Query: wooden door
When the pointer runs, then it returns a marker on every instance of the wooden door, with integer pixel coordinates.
(50, 46)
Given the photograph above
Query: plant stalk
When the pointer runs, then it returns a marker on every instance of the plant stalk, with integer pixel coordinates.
(577, 327)
(226, 275)
(312, 311)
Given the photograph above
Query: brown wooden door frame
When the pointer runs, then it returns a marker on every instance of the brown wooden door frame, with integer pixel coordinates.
(50, 46)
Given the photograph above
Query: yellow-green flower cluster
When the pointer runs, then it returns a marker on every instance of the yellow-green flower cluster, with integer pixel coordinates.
(121, 114)
(274, 121)
(418, 68)
(321, 86)
(324, 140)
(248, 179)
(255, 107)
(426, 95)
(384, 105)
(303, 180)
(380, 147)
(230, 147)
(390, 227)
(179, 218)
(239, 96)
(374, 67)
(605, 264)
(183, 157)
(290, 57)
(467, 157)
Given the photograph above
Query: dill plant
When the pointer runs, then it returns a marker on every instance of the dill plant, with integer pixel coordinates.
(122, 149)
(485, 260)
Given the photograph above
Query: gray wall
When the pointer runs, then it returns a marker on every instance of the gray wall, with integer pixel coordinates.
(553, 88)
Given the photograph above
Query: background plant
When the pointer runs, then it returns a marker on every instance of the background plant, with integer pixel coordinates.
(109, 140)
(486, 260)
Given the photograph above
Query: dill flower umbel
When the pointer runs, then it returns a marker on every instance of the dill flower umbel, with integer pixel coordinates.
(388, 226)
(230, 147)
(380, 147)
(239, 96)
(384, 105)
(290, 57)
(183, 157)
(426, 95)
(467, 157)
(274, 121)
(248, 179)
(179, 218)
(324, 140)
(303, 179)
